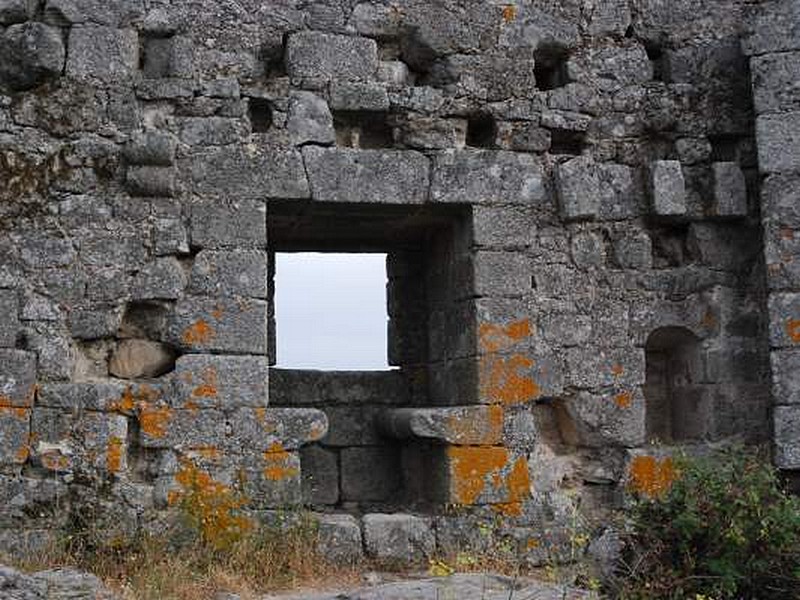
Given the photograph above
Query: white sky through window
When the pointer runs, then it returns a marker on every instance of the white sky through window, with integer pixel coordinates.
(330, 311)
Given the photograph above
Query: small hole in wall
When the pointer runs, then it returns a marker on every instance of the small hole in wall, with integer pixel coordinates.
(155, 57)
(565, 141)
(724, 148)
(481, 131)
(551, 67)
(363, 129)
(656, 55)
(260, 111)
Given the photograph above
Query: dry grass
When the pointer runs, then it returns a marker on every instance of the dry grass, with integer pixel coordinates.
(154, 569)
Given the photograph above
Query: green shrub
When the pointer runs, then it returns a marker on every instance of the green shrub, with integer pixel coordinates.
(724, 530)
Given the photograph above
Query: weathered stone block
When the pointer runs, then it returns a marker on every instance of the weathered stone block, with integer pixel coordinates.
(320, 475)
(370, 473)
(778, 135)
(634, 251)
(33, 53)
(339, 539)
(486, 176)
(730, 190)
(380, 176)
(211, 131)
(780, 196)
(9, 318)
(503, 226)
(784, 320)
(423, 132)
(458, 425)
(273, 429)
(294, 387)
(352, 425)
(272, 479)
(14, 435)
(668, 188)
(259, 170)
(107, 12)
(16, 11)
(578, 185)
(787, 436)
(237, 326)
(609, 419)
(162, 279)
(359, 95)
(310, 54)
(483, 475)
(225, 382)
(152, 148)
(17, 378)
(309, 119)
(595, 368)
(773, 29)
(501, 273)
(775, 76)
(104, 53)
(610, 69)
(220, 224)
(94, 322)
(133, 359)
(163, 427)
(786, 376)
(230, 273)
(152, 181)
(398, 537)
(170, 237)
(77, 397)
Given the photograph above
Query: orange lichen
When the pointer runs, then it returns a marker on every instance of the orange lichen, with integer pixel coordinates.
(54, 461)
(154, 419)
(502, 380)
(114, 455)
(509, 13)
(513, 509)
(519, 481)
(279, 464)
(191, 405)
(200, 332)
(129, 400)
(617, 370)
(17, 412)
(22, 454)
(207, 452)
(317, 431)
(623, 399)
(207, 389)
(793, 330)
(494, 338)
(212, 506)
(471, 466)
(217, 312)
(652, 477)
(261, 415)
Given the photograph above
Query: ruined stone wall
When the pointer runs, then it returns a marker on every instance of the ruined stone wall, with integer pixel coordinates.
(568, 193)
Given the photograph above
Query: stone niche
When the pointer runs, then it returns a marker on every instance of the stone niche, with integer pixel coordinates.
(383, 446)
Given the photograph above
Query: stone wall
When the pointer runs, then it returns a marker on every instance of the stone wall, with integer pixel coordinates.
(568, 193)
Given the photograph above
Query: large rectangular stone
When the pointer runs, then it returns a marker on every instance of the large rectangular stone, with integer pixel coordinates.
(230, 273)
(103, 53)
(353, 425)
(225, 324)
(163, 427)
(593, 368)
(786, 376)
(482, 475)
(257, 170)
(320, 469)
(487, 176)
(17, 378)
(275, 429)
(229, 224)
(787, 436)
(225, 382)
(273, 479)
(311, 54)
(775, 77)
(774, 29)
(502, 273)
(370, 473)
(784, 320)
(730, 190)
(295, 387)
(457, 425)
(778, 136)
(9, 318)
(668, 188)
(14, 435)
(376, 176)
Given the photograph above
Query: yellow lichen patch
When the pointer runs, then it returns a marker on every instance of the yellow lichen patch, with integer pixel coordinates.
(200, 332)
(212, 506)
(509, 13)
(623, 399)
(519, 481)
(114, 455)
(503, 380)
(278, 464)
(652, 477)
(470, 467)
(208, 388)
(154, 419)
(494, 338)
(793, 330)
